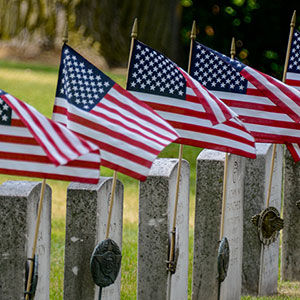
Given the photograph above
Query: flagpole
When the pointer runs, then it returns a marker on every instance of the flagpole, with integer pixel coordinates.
(180, 154)
(113, 188)
(38, 221)
(37, 225)
(225, 176)
(292, 26)
(288, 50)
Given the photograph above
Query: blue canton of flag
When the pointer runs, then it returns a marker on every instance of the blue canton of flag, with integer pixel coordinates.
(209, 69)
(294, 61)
(5, 111)
(153, 73)
(80, 82)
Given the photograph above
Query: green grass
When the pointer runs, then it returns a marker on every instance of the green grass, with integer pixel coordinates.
(36, 84)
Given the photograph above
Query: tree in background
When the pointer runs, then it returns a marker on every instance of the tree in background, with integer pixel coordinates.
(260, 26)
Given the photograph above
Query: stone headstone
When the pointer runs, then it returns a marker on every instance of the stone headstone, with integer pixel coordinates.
(209, 186)
(260, 262)
(156, 203)
(290, 255)
(18, 212)
(87, 212)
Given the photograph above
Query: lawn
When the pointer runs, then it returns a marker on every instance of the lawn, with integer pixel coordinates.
(36, 85)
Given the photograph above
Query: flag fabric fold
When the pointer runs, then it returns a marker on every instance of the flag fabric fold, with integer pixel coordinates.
(129, 133)
(269, 108)
(35, 146)
(200, 118)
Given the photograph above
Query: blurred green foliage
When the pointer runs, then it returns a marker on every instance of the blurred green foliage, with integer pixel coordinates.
(260, 27)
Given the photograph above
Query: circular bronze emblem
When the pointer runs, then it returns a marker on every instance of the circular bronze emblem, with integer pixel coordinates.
(223, 259)
(269, 224)
(105, 263)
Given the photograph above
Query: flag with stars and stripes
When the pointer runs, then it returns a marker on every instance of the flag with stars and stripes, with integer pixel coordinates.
(35, 146)
(293, 71)
(269, 108)
(293, 79)
(129, 133)
(199, 117)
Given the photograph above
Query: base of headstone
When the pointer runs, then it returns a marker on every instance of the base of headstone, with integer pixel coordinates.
(87, 212)
(156, 208)
(210, 171)
(290, 255)
(260, 262)
(18, 212)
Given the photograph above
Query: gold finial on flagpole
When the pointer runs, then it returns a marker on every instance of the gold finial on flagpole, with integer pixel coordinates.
(194, 31)
(293, 21)
(65, 38)
(134, 34)
(192, 36)
(232, 49)
(134, 30)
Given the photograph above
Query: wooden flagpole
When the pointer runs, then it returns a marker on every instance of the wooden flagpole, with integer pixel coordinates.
(292, 26)
(113, 188)
(37, 225)
(40, 207)
(171, 266)
(114, 183)
(180, 154)
(133, 36)
(225, 176)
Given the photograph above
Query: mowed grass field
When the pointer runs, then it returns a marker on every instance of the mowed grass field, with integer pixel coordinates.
(36, 84)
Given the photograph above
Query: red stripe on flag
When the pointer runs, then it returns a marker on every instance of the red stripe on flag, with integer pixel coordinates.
(123, 170)
(119, 152)
(98, 127)
(210, 114)
(140, 103)
(293, 82)
(254, 106)
(29, 126)
(179, 110)
(270, 94)
(212, 131)
(215, 147)
(119, 123)
(18, 140)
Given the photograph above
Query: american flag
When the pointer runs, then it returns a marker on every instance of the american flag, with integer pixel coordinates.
(267, 107)
(32, 145)
(129, 133)
(199, 117)
(293, 79)
(293, 71)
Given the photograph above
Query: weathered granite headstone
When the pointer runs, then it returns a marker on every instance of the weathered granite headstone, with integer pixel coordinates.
(290, 256)
(156, 203)
(210, 170)
(18, 212)
(260, 262)
(87, 212)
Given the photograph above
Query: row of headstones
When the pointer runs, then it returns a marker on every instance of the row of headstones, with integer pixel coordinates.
(253, 267)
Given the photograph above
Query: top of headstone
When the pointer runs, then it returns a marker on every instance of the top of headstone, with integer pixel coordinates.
(15, 188)
(164, 166)
(208, 154)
